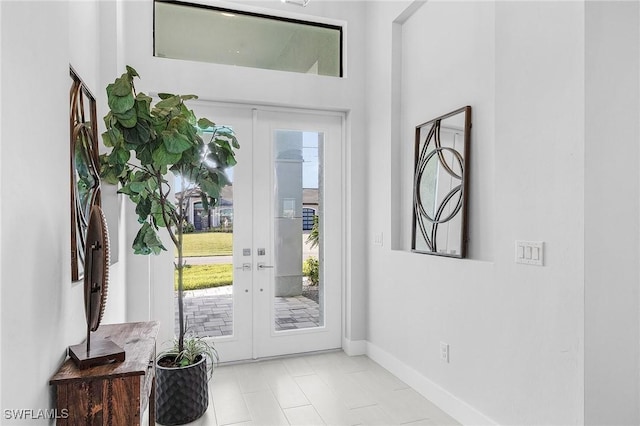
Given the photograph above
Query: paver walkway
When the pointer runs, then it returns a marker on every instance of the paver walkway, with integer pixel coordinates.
(209, 312)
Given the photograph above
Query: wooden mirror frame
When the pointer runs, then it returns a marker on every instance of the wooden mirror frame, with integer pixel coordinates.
(85, 180)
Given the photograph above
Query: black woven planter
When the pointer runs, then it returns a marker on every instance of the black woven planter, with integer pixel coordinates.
(182, 394)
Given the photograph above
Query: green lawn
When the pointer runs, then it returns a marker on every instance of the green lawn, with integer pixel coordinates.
(205, 276)
(208, 244)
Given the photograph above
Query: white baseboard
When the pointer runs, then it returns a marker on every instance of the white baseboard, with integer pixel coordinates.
(450, 404)
(354, 347)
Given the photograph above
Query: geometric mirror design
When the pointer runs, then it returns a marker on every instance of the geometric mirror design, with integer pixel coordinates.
(440, 185)
(85, 178)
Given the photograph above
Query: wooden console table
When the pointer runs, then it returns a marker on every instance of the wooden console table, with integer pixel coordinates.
(112, 394)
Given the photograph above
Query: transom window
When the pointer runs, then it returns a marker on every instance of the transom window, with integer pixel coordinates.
(224, 36)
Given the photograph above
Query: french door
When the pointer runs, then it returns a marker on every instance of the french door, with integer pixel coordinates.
(285, 209)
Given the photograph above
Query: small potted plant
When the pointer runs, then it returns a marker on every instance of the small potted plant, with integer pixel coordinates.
(147, 142)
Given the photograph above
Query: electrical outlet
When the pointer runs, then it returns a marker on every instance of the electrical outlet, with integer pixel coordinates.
(378, 239)
(444, 352)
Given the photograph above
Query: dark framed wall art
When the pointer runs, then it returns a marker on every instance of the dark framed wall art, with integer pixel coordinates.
(440, 184)
(85, 178)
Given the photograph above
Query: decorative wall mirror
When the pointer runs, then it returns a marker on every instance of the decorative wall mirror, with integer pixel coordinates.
(85, 178)
(440, 185)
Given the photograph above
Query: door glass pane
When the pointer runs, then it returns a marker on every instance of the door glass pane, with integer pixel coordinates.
(298, 284)
(208, 254)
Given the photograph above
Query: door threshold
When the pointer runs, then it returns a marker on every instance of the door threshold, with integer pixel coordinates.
(271, 358)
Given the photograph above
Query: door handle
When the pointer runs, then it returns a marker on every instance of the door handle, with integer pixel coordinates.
(245, 267)
(261, 265)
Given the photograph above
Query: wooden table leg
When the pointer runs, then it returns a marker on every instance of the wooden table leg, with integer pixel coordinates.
(152, 403)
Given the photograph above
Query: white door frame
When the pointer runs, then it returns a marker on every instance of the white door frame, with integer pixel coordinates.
(267, 341)
(227, 341)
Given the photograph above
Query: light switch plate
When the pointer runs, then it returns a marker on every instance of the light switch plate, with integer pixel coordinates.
(530, 252)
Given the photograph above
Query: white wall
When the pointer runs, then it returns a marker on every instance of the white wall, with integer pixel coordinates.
(539, 143)
(42, 310)
(92, 53)
(457, 77)
(515, 331)
(1, 258)
(529, 345)
(256, 86)
(612, 214)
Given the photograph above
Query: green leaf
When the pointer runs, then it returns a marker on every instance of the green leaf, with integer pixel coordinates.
(119, 104)
(171, 102)
(205, 201)
(107, 139)
(214, 158)
(205, 123)
(156, 212)
(143, 107)
(143, 124)
(132, 188)
(147, 241)
(224, 131)
(127, 119)
(162, 157)
(144, 98)
(109, 121)
(144, 154)
(140, 134)
(121, 155)
(222, 178)
(190, 116)
(154, 243)
(132, 72)
(211, 188)
(143, 209)
(165, 95)
(125, 190)
(188, 97)
(122, 86)
(152, 185)
(183, 126)
(108, 172)
(110, 178)
(175, 142)
(137, 187)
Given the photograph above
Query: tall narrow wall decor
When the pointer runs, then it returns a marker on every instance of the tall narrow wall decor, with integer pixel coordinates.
(85, 178)
(440, 184)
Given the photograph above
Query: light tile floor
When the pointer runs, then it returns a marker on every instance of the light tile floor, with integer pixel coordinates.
(320, 389)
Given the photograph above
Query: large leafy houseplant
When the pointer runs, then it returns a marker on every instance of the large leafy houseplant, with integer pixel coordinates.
(146, 143)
